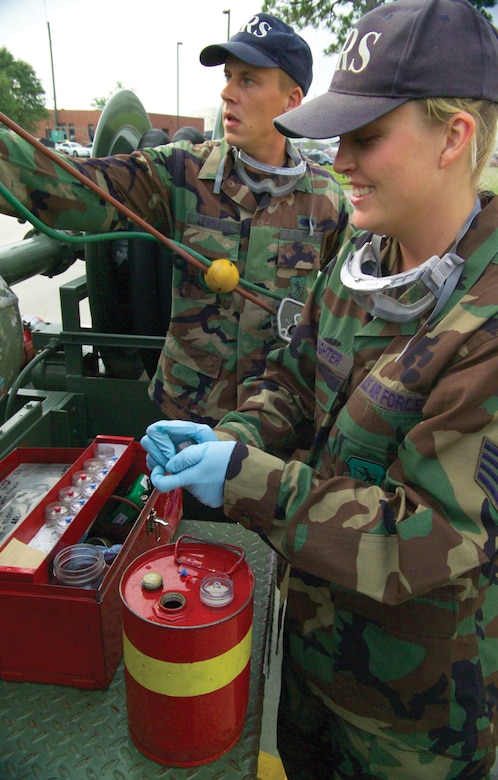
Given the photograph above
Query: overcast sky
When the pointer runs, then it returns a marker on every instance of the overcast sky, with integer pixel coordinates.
(96, 43)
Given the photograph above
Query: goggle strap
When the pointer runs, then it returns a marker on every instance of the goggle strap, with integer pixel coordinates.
(448, 287)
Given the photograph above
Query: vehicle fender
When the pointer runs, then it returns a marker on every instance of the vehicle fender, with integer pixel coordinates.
(121, 126)
(128, 281)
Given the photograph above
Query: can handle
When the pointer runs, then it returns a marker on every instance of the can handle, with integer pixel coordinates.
(197, 564)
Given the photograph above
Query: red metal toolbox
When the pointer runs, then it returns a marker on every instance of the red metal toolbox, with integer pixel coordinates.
(62, 634)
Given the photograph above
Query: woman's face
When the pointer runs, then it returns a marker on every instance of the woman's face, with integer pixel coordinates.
(393, 167)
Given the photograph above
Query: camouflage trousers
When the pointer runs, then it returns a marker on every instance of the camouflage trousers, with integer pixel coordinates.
(316, 744)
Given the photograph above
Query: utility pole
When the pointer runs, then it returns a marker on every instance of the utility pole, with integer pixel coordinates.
(227, 12)
(179, 43)
(56, 119)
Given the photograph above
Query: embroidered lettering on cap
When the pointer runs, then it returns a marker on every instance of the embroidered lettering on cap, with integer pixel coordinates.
(266, 42)
(257, 28)
(377, 73)
(361, 57)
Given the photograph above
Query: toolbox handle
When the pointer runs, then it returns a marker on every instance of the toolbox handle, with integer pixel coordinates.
(195, 563)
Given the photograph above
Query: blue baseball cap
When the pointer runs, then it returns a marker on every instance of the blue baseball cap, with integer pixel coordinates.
(266, 42)
(405, 50)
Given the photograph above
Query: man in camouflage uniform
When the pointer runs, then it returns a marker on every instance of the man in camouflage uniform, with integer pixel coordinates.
(389, 517)
(277, 227)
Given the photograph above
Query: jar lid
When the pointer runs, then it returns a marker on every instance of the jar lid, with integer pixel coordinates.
(216, 590)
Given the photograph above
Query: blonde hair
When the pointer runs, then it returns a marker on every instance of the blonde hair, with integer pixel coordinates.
(287, 83)
(485, 114)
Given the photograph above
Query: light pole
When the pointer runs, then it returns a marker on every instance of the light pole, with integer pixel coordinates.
(227, 12)
(56, 118)
(179, 43)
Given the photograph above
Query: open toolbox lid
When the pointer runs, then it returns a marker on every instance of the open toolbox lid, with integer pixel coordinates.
(25, 531)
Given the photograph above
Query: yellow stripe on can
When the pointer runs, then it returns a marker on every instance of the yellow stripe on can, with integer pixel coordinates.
(196, 678)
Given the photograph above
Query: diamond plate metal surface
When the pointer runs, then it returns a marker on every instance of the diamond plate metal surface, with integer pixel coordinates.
(52, 732)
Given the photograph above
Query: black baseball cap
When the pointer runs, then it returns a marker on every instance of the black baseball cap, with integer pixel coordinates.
(266, 42)
(401, 51)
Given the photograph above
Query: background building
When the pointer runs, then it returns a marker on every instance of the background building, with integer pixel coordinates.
(80, 126)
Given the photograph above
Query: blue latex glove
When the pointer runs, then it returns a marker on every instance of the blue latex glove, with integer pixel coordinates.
(201, 468)
(163, 439)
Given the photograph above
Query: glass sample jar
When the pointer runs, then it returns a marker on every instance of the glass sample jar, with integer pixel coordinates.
(105, 453)
(58, 515)
(69, 494)
(80, 565)
(92, 465)
(86, 482)
(77, 504)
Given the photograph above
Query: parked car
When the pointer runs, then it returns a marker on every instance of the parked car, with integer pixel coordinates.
(73, 149)
(315, 155)
(332, 150)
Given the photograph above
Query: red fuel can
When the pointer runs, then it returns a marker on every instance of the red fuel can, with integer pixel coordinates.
(187, 630)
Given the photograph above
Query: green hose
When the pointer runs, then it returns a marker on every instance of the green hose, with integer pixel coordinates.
(60, 235)
(28, 368)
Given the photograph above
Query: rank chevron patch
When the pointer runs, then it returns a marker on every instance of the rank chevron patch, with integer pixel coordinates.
(486, 474)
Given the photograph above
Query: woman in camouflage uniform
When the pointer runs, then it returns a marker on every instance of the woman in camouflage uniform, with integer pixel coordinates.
(389, 518)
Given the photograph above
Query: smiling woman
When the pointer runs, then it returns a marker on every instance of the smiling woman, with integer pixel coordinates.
(387, 514)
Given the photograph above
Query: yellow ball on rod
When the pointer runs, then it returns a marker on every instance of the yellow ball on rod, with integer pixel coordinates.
(222, 276)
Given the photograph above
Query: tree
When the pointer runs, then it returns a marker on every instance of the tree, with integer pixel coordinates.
(337, 16)
(22, 96)
(100, 102)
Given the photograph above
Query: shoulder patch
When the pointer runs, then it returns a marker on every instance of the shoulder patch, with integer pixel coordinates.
(366, 470)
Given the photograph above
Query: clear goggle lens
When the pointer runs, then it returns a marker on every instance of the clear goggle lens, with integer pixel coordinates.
(400, 297)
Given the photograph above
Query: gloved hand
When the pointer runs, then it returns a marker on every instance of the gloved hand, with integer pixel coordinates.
(201, 468)
(155, 457)
(163, 439)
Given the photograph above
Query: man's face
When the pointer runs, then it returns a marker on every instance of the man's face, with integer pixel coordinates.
(252, 98)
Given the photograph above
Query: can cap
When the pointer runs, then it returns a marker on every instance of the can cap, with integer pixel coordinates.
(152, 580)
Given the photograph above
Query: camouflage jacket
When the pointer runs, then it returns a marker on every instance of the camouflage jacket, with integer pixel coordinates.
(279, 243)
(390, 519)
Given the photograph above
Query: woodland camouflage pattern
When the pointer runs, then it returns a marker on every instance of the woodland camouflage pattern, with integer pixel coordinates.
(214, 341)
(391, 524)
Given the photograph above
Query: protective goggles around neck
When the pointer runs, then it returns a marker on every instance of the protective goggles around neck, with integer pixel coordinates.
(278, 181)
(401, 297)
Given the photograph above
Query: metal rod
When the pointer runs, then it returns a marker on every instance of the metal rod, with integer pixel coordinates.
(58, 159)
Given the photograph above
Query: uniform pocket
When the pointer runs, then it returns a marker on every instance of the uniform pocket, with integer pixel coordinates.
(298, 250)
(188, 360)
(212, 237)
(372, 428)
(395, 662)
